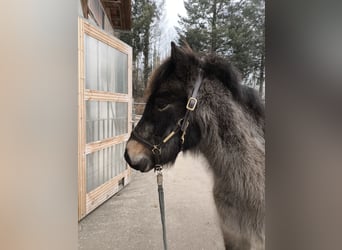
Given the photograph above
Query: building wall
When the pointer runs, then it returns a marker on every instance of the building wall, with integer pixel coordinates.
(38, 125)
(79, 8)
(99, 18)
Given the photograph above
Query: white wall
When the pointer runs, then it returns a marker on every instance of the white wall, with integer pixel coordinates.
(38, 106)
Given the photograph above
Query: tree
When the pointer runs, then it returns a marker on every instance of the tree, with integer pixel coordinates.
(234, 29)
(247, 41)
(145, 14)
(194, 25)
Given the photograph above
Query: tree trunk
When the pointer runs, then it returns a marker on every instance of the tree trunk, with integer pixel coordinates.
(146, 53)
(262, 75)
(213, 29)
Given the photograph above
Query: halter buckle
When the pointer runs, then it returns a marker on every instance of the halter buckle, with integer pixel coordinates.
(191, 105)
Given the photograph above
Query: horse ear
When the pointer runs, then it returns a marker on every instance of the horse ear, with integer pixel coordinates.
(176, 54)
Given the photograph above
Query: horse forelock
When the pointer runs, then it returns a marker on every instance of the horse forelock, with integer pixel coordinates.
(170, 66)
(158, 76)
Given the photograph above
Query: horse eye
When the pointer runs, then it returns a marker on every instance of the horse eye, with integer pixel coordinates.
(162, 106)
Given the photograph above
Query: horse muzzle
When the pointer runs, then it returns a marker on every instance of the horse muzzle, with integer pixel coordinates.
(138, 157)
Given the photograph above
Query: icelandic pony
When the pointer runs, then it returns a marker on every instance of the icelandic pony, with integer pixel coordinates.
(226, 127)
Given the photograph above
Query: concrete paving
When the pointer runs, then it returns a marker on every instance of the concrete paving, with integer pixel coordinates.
(130, 220)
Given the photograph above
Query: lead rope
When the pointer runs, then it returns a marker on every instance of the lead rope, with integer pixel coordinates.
(182, 125)
(159, 173)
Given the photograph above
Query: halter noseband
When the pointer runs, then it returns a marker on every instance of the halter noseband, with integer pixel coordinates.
(182, 124)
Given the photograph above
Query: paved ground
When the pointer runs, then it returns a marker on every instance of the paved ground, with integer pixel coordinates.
(130, 220)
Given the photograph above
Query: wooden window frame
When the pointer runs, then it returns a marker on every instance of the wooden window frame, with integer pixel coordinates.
(89, 201)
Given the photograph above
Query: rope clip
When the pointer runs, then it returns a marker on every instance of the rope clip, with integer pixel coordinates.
(159, 172)
(158, 169)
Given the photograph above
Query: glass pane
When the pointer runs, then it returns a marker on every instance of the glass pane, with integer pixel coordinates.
(106, 119)
(106, 67)
(91, 62)
(104, 164)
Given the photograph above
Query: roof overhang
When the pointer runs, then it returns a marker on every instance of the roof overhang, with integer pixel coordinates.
(119, 13)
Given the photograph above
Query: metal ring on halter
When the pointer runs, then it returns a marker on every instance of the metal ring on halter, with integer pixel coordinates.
(179, 123)
(156, 150)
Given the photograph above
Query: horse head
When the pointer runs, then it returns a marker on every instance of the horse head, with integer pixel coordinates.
(159, 136)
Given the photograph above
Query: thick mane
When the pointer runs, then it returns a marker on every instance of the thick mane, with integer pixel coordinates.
(230, 77)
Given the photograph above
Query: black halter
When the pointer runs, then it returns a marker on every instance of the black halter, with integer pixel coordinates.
(182, 125)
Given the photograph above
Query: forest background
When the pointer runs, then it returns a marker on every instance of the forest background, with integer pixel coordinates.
(231, 28)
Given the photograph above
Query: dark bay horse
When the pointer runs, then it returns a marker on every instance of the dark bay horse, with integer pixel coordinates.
(224, 122)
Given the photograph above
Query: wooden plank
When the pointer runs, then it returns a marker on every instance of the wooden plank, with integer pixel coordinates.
(81, 124)
(101, 189)
(105, 96)
(130, 103)
(106, 38)
(98, 145)
(104, 192)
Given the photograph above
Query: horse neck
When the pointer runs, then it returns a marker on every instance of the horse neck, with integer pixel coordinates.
(231, 139)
